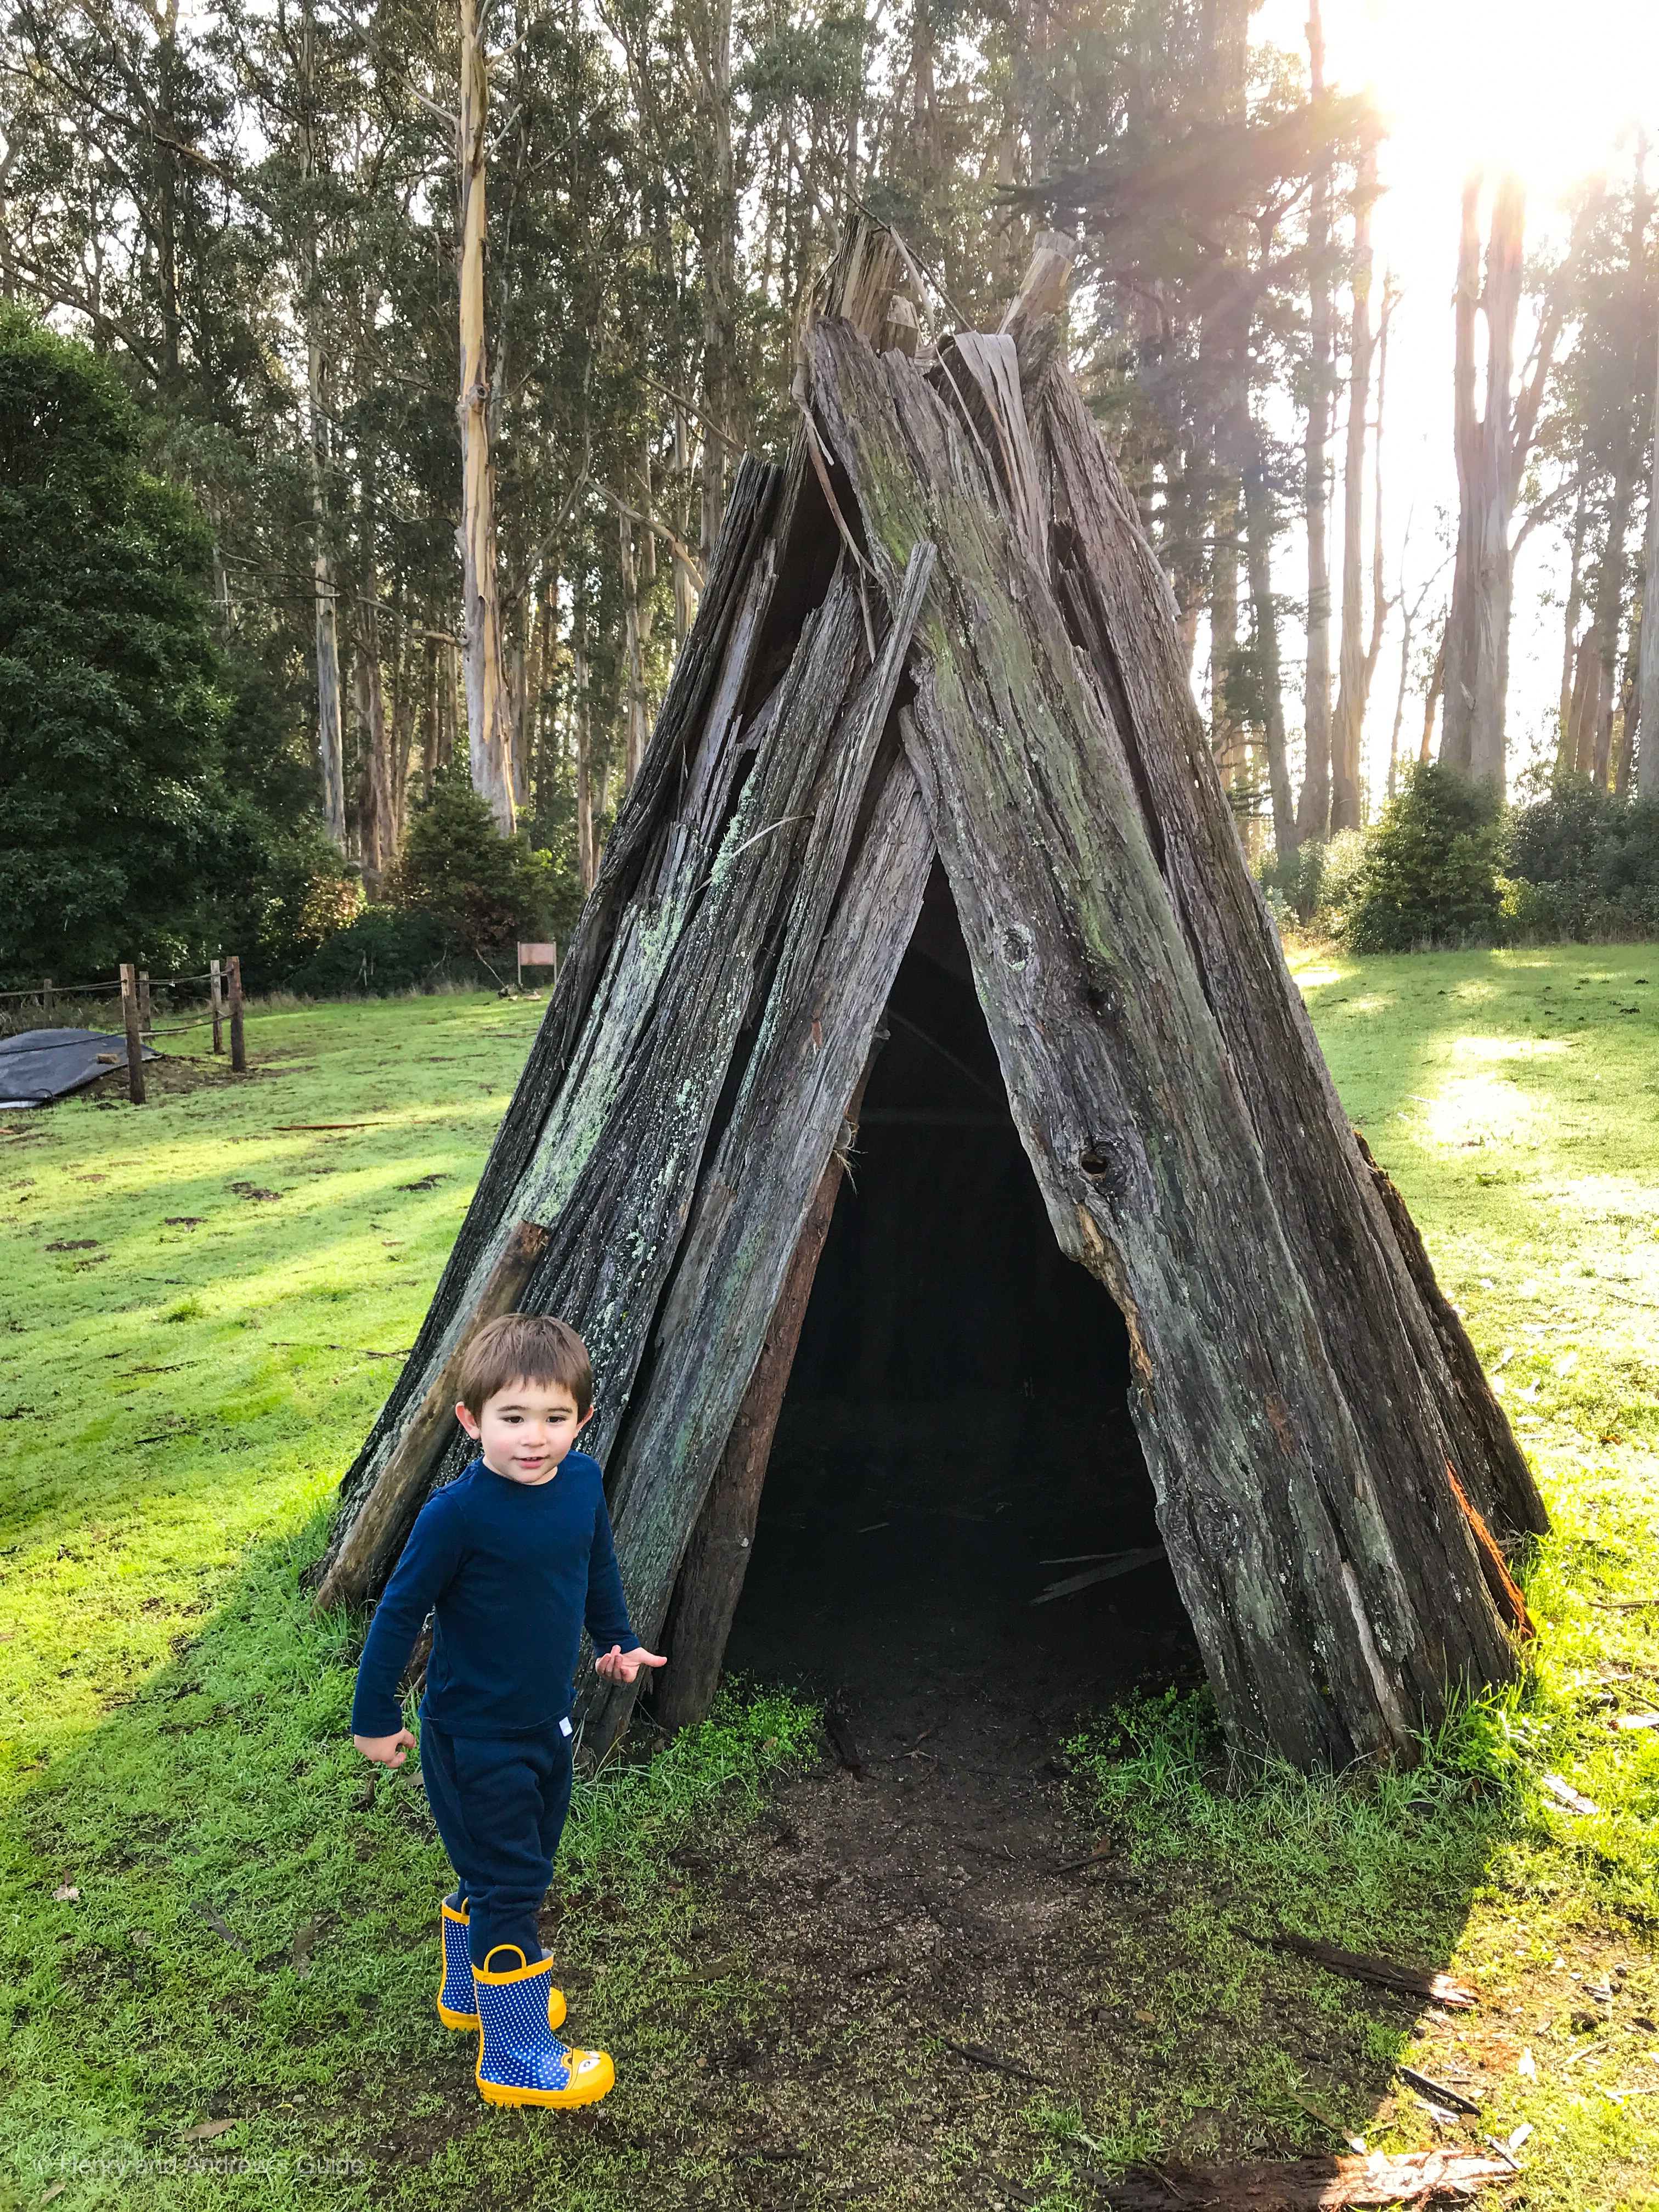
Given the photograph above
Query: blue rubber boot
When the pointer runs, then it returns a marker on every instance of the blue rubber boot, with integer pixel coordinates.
(521, 2060)
(457, 2007)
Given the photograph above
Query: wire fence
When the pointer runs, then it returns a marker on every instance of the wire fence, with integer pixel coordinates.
(51, 1005)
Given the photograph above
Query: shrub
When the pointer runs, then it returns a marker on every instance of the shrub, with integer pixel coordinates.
(483, 889)
(1429, 873)
(383, 950)
(1586, 864)
(1315, 883)
(112, 704)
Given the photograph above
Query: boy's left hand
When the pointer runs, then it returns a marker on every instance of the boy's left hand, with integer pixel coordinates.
(616, 1665)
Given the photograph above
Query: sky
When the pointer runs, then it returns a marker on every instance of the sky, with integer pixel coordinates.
(1549, 88)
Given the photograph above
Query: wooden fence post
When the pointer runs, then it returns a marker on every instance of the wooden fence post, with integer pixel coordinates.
(216, 999)
(238, 1049)
(146, 1021)
(49, 1000)
(135, 1033)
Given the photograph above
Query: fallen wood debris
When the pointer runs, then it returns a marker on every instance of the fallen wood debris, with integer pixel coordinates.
(1120, 1563)
(1312, 2185)
(1436, 2093)
(1573, 1801)
(993, 2061)
(1636, 1720)
(1360, 1966)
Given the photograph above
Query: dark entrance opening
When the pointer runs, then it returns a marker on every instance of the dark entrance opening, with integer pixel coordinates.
(956, 1436)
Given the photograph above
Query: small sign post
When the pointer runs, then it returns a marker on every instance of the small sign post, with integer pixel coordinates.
(135, 1034)
(537, 955)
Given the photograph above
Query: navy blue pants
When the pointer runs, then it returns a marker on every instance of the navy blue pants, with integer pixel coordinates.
(500, 1805)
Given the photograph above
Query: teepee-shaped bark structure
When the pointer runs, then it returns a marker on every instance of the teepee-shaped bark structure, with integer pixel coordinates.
(937, 633)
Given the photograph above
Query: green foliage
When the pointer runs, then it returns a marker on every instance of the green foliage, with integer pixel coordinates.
(1429, 873)
(383, 950)
(1316, 882)
(1585, 865)
(483, 889)
(112, 703)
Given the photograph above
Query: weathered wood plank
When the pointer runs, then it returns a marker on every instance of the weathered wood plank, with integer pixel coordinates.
(1329, 1573)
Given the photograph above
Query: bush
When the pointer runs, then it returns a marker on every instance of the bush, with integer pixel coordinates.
(1315, 883)
(1428, 872)
(383, 950)
(1586, 864)
(484, 890)
(112, 701)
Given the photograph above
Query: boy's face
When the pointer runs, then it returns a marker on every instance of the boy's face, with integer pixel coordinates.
(525, 1430)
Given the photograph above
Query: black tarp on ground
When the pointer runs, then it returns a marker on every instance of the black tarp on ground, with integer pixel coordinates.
(38, 1066)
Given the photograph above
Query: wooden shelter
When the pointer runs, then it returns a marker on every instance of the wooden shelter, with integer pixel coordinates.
(939, 636)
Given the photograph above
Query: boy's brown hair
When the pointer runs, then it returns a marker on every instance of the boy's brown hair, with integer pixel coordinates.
(519, 1347)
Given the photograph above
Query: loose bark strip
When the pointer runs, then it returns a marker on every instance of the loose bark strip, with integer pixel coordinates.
(1311, 2184)
(370, 1550)
(1505, 1590)
(135, 1035)
(1332, 1578)
(1363, 1966)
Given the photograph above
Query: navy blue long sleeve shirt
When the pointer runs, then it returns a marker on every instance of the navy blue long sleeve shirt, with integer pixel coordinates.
(508, 1571)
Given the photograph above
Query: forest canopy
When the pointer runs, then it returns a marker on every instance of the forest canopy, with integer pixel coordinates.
(425, 342)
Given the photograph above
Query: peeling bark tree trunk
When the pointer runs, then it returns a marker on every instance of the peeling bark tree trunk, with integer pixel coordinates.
(1647, 758)
(908, 648)
(1259, 542)
(1353, 685)
(1313, 812)
(489, 731)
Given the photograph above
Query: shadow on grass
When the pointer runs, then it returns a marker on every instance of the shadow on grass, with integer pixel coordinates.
(244, 1981)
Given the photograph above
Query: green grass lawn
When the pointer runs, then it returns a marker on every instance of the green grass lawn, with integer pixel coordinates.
(202, 1305)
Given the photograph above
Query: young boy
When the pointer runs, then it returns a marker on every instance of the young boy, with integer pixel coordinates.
(508, 1558)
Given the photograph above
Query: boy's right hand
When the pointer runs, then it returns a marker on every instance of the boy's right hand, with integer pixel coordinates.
(386, 1750)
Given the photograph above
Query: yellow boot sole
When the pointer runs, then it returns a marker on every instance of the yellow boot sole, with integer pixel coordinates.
(584, 2088)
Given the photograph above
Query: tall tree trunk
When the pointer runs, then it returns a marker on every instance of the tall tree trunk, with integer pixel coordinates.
(586, 857)
(1313, 806)
(1258, 541)
(685, 584)
(719, 246)
(1490, 447)
(377, 836)
(636, 727)
(431, 701)
(329, 746)
(1574, 608)
(1647, 759)
(1433, 695)
(1615, 567)
(1354, 679)
(489, 733)
(1586, 705)
(1609, 608)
